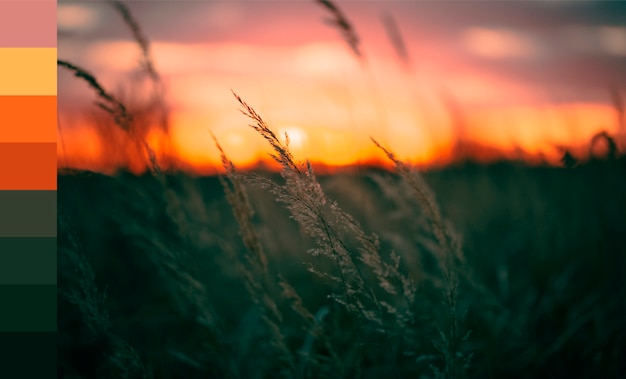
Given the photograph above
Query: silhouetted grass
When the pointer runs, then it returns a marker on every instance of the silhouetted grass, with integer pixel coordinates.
(480, 271)
(546, 243)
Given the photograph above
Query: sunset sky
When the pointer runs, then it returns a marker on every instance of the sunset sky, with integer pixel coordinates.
(524, 74)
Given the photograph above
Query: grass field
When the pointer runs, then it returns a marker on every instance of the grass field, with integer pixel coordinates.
(473, 270)
(545, 297)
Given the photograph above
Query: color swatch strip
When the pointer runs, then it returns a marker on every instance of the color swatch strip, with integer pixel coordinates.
(28, 184)
(28, 23)
(28, 119)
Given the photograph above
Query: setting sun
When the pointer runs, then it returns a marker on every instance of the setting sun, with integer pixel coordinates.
(294, 136)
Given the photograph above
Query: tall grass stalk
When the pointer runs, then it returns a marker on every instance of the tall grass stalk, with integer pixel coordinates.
(253, 266)
(315, 330)
(168, 250)
(107, 101)
(116, 109)
(340, 22)
(406, 63)
(395, 37)
(147, 63)
(330, 227)
(139, 36)
(451, 262)
(619, 105)
(121, 359)
(254, 269)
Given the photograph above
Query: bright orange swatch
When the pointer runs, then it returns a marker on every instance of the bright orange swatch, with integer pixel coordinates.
(28, 166)
(28, 119)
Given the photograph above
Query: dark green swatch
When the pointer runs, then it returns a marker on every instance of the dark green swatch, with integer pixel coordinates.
(28, 308)
(28, 213)
(28, 260)
(28, 355)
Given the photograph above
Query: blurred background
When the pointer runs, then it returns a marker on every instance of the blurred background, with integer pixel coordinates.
(515, 110)
(506, 78)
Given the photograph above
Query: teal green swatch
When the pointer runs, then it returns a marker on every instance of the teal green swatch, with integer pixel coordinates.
(28, 260)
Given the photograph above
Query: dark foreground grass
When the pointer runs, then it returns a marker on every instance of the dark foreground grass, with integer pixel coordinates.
(542, 292)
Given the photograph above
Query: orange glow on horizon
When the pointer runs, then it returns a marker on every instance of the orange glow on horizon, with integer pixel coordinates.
(533, 130)
(301, 77)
